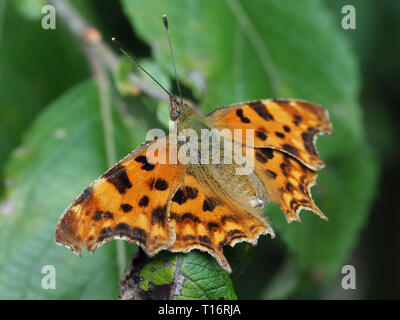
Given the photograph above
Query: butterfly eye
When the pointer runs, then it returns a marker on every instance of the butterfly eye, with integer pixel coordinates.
(174, 114)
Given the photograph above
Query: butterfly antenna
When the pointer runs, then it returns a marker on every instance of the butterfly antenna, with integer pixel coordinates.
(165, 20)
(141, 68)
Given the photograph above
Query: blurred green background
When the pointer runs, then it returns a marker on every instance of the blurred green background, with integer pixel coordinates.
(56, 136)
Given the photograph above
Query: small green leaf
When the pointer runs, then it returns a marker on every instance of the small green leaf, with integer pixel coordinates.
(158, 273)
(30, 9)
(182, 276)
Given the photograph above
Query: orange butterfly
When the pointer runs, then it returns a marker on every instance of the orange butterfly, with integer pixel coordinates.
(180, 207)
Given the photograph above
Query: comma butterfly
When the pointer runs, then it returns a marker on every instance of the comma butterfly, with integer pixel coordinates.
(183, 206)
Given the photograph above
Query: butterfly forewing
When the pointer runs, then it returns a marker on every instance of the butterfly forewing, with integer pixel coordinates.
(130, 201)
(290, 126)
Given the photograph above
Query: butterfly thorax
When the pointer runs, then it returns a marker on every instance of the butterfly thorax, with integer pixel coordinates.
(217, 165)
(190, 117)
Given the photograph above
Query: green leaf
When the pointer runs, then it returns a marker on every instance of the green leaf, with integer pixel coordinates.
(181, 276)
(247, 50)
(32, 72)
(60, 155)
(30, 9)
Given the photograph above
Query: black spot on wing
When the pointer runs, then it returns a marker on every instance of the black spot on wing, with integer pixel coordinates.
(261, 135)
(174, 216)
(125, 207)
(140, 235)
(189, 238)
(235, 234)
(284, 167)
(297, 119)
(229, 218)
(271, 174)
(212, 225)
(86, 194)
(190, 217)
(187, 215)
(263, 154)
(106, 231)
(161, 184)
(294, 205)
(146, 165)
(267, 152)
(183, 194)
(209, 204)
(239, 113)
(303, 190)
(308, 140)
(290, 149)
(289, 187)
(144, 201)
(191, 193)
(122, 229)
(204, 239)
(158, 215)
(281, 101)
(260, 157)
(104, 234)
(261, 110)
(118, 177)
(279, 134)
(179, 197)
(286, 158)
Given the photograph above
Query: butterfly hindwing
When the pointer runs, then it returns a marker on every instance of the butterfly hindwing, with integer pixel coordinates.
(290, 126)
(130, 201)
(203, 218)
(287, 182)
